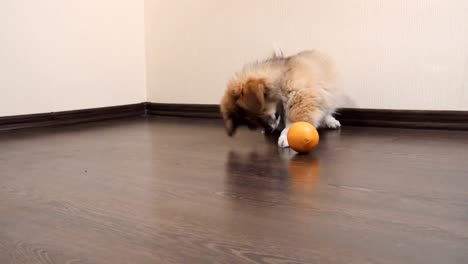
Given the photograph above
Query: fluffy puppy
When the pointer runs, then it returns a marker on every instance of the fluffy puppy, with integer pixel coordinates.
(301, 87)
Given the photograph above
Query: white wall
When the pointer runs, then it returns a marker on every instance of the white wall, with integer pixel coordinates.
(399, 54)
(61, 55)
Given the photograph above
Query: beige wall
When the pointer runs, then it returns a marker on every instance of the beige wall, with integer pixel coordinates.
(396, 54)
(61, 55)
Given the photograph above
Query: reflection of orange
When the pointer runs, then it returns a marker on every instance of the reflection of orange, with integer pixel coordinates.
(304, 173)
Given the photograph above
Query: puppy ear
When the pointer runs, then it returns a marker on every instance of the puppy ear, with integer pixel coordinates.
(231, 126)
(252, 95)
(227, 108)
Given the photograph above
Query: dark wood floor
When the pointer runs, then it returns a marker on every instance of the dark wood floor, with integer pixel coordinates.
(180, 191)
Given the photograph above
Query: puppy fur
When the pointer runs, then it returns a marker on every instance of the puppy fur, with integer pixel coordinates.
(302, 86)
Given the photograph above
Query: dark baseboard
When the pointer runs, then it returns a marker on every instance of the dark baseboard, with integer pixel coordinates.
(184, 110)
(71, 117)
(427, 119)
(455, 120)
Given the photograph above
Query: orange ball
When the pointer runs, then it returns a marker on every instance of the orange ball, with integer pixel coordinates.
(302, 137)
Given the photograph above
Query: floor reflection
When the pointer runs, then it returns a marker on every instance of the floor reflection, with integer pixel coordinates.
(304, 173)
(271, 175)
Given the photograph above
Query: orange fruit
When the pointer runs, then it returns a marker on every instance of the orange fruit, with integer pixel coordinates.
(302, 137)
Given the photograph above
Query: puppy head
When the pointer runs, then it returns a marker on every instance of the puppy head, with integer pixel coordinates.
(251, 103)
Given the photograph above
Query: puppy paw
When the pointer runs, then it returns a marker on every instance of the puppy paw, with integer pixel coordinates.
(331, 122)
(283, 141)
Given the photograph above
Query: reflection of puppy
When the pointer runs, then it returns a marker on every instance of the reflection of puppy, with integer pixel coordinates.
(303, 85)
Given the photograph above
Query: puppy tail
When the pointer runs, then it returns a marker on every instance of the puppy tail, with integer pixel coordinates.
(277, 52)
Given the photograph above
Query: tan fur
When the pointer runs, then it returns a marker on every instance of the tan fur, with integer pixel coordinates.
(251, 95)
(310, 87)
(305, 84)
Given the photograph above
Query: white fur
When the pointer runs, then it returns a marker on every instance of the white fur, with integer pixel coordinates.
(331, 122)
(283, 138)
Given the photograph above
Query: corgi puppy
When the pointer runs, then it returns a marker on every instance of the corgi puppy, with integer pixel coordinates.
(301, 87)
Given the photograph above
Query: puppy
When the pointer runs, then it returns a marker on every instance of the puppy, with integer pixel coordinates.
(302, 85)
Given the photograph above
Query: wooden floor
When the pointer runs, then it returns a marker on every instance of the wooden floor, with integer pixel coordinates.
(164, 190)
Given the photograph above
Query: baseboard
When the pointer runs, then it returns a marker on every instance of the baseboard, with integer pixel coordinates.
(455, 120)
(71, 117)
(184, 110)
(427, 119)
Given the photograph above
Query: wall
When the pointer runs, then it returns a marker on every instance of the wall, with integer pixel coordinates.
(61, 55)
(392, 54)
